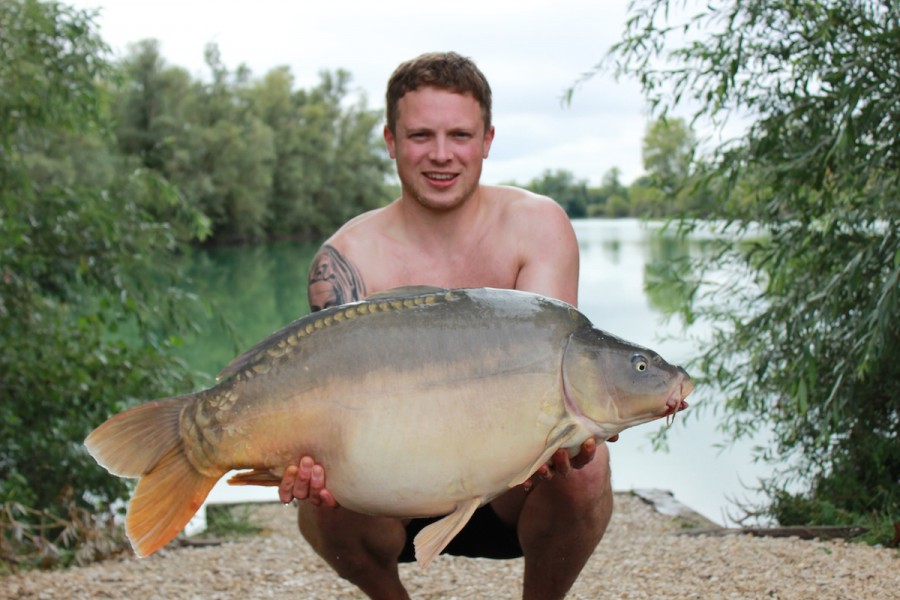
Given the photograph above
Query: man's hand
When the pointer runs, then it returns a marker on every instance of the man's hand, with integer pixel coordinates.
(305, 481)
(562, 464)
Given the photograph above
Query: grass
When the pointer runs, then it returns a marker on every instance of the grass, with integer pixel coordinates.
(230, 520)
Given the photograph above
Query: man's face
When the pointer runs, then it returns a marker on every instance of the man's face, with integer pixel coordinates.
(440, 145)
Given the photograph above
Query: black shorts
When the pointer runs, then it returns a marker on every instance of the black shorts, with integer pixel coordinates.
(484, 536)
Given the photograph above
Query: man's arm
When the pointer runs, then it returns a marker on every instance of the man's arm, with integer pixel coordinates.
(548, 250)
(550, 263)
(332, 280)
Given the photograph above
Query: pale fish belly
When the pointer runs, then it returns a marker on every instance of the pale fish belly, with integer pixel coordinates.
(420, 452)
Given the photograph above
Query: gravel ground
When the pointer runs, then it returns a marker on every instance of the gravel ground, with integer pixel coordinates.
(642, 556)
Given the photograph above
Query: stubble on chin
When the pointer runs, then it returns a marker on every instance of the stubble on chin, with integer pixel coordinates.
(442, 203)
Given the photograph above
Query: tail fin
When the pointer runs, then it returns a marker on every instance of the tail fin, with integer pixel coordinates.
(145, 442)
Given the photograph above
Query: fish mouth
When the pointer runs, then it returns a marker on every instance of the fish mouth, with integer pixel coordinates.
(675, 402)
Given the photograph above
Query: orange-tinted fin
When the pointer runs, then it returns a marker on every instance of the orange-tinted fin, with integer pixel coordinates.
(434, 538)
(164, 501)
(130, 443)
(145, 442)
(255, 477)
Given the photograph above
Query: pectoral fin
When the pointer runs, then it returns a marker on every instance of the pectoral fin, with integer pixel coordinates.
(434, 538)
(560, 434)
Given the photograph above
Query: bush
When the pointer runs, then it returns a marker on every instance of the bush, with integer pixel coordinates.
(86, 280)
(810, 353)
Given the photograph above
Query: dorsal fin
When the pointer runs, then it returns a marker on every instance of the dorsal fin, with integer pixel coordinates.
(407, 290)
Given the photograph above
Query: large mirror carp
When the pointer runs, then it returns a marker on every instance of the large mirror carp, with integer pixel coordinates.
(462, 393)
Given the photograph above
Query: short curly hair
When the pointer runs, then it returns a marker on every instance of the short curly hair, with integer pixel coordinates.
(441, 70)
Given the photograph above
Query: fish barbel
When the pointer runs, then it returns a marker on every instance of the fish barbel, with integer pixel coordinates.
(465, 392)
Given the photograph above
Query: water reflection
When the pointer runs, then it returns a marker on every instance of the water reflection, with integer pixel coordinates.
(616, 294)
(254, 290)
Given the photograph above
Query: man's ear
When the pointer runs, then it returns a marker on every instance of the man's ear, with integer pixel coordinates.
(389, 141)
(488, 139)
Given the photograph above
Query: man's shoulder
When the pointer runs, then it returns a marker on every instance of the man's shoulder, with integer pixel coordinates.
(361, 230)
(511, 193)
(523, 206)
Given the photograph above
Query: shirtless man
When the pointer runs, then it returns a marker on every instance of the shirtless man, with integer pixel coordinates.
(450, 231)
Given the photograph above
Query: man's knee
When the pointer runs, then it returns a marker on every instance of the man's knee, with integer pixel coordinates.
(361, 549)
(582, 499)
(594, 499)
(589, 483)
(601, 475)
(316, 521)
(349, 541)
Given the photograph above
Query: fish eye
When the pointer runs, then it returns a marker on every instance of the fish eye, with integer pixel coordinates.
(639, 362)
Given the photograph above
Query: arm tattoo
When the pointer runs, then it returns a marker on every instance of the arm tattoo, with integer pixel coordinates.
(333, 280)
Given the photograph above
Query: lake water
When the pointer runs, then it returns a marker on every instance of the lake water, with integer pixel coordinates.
(615, 256)
(259, 289)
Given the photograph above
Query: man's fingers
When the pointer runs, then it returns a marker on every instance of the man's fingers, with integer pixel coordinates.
(286, 488)
(316, 484)
(327, 499)
(586, 455)
(305, 481)
(543, 473)
(561, 462)
(304, 474)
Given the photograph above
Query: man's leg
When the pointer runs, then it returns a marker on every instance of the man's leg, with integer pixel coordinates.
(559, 523)
(361, 549)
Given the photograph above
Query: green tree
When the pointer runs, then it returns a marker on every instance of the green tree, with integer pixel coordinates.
(562, 186)
(202, 137)
(810, 350)
(647, 200)
(276, 103)
(670, 185)
(667, 153)
(335, 166)
(151, 106)
(611, 199)
(81, 234)
(229, 176)
(258, 157)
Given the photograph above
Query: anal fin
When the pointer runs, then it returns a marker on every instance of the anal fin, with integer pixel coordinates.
(434, 538)
(263, 477)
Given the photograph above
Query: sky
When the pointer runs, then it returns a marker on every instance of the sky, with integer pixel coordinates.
(530, 50)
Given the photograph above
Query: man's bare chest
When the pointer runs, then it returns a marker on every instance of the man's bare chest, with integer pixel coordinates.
(460, 271)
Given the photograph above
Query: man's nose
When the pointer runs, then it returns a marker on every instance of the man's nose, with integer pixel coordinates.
(441, 150)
